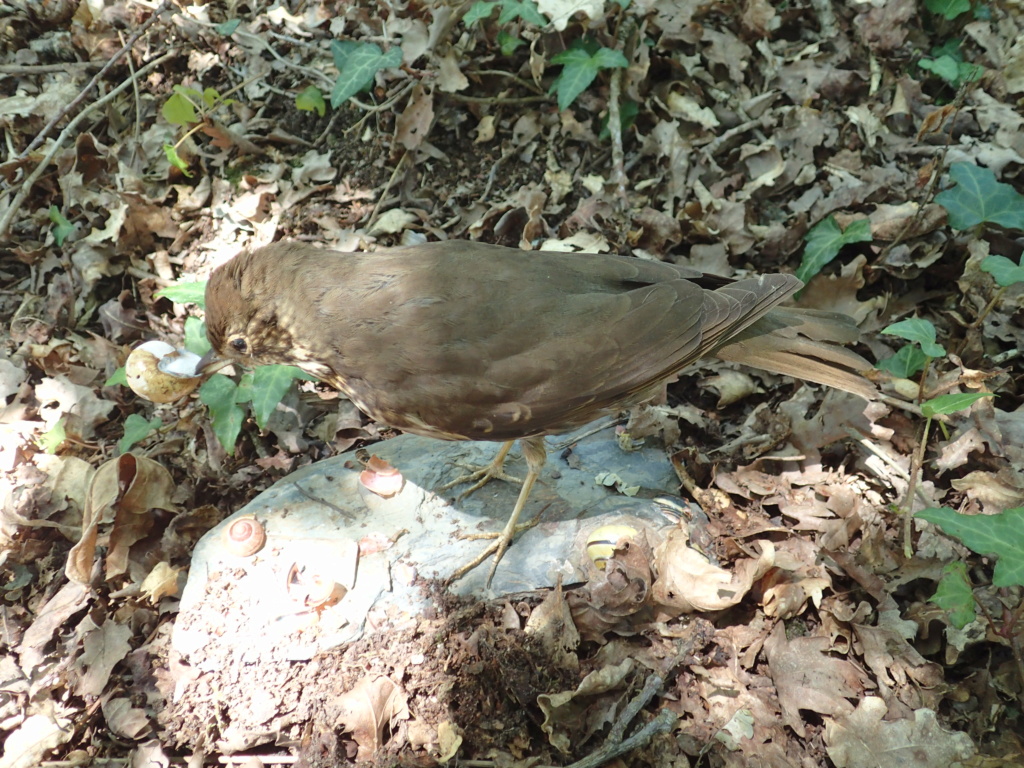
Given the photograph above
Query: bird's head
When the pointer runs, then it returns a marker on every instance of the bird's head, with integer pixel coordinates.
(248, 319)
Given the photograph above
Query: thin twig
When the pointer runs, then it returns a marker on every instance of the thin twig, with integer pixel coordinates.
(70, 130)
(38, 140)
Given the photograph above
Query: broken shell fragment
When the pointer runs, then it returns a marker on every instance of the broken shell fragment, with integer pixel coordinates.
(381, 478)
(602, 542)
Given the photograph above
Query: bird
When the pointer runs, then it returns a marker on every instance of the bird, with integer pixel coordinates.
(463, 340)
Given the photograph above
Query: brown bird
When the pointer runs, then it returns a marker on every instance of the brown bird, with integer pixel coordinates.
(461, 340)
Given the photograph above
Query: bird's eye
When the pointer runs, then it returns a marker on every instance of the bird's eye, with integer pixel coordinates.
(239, 345)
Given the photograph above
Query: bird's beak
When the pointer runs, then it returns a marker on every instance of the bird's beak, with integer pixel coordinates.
(209, 363)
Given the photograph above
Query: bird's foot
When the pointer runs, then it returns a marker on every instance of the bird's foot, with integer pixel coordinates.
(480, 476)
(497, 548)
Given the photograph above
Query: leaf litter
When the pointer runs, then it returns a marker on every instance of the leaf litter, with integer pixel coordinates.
(816, 643)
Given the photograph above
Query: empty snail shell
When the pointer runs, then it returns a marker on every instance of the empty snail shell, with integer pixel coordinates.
(602, 542)
(245, 536)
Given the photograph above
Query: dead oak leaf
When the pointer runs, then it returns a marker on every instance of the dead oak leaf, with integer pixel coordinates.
(104, 647)
(807, 678)
(861, 739)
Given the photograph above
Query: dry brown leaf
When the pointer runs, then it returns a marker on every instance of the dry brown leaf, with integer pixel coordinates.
(412, 126)
(551, 625)
(70, 599)
(688, 582)
(864, 739)
(807, 678)
(374, 703)
(103, 647)
(585, 710)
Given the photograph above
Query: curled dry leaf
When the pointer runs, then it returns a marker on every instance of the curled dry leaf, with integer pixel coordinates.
(122, 491)
(374, 703)
(688, 582)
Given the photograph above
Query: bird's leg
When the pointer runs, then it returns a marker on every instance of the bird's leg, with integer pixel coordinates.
(535, 455)
(483, 475)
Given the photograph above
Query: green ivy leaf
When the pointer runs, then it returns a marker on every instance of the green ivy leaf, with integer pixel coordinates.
(358, 64)
(908, 361)
(508, 43)
(1005, 272)
(948, 9)
(185, 293)
(628, 110)
(954, 595)
(579, 69)
(478, 12)
(920, 331)
(1000, 536)
(218, 394)
(270, 383)
(825, 240)
(957, 401)
(174, 159)
(978, 199)
(195, 336)
(311, 100)
(521, 9)
(227, 28)
(62, 228)
(178, 110)
(51, 440)
(117, 378)
(137, 428)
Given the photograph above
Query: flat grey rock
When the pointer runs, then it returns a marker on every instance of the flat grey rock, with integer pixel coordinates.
(387, 553)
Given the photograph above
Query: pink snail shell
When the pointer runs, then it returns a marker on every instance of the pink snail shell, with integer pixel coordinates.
(245, 537)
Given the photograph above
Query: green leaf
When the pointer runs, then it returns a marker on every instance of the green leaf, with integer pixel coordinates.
(178, 110)
(211, 96)
(1000, 536)
(52, 438)
(227, 28)
(579, 68)
(176, 161)
(62, 227)
(521, 9)
(825, 240)
(137, 428)
(958, 401)
(918, 330)
(508, 43)
(945, 67)
(628, 110)
(270, 383)
(948, 9)
(358, 64)
(978, 199)
(117, 378)
(195, 336)
(905, 363)
(218, 393)
(311, 100)
(185, 293)
(1005, 272)
(954, 595)
(478, 12)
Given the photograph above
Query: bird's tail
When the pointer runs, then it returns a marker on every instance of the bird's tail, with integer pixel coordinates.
(805, 344)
